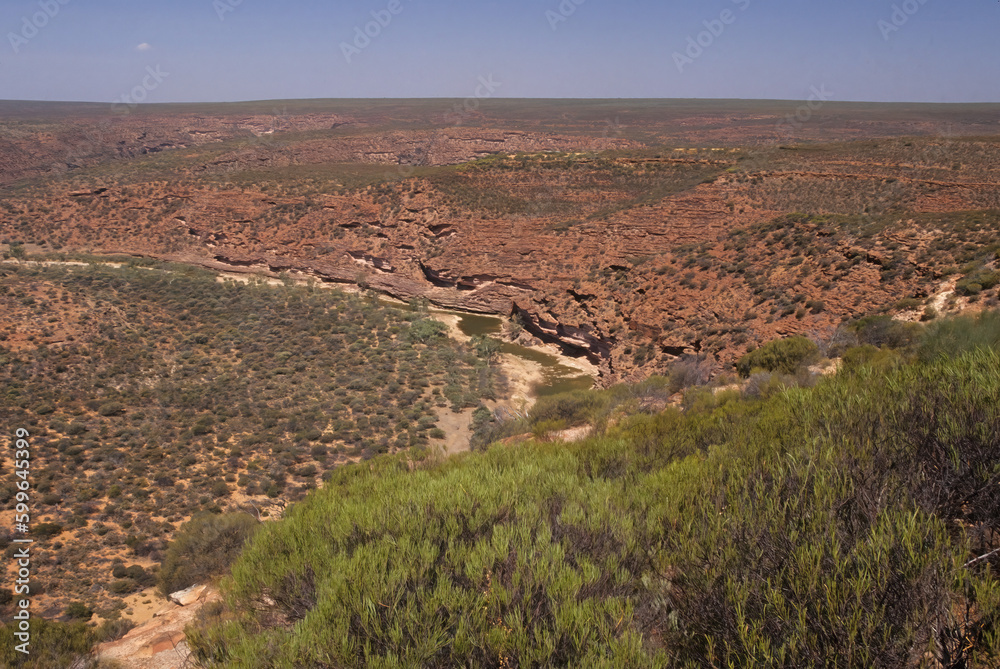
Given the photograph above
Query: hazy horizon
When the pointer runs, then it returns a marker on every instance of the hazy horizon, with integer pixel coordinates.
(509, 99)
(196, 51)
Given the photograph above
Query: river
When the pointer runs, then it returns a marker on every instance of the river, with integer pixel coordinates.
(558, 377)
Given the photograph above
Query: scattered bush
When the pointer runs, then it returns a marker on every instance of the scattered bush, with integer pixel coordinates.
(79, 611)
(885, 331)
(52, 645)
(113, 629)
(782, 355)
(977, 281)
(111, 409)
(124, 586)
(954, 336)
(202, 548)
(46, 530)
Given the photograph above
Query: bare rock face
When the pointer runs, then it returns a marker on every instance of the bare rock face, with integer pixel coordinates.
(159, 643)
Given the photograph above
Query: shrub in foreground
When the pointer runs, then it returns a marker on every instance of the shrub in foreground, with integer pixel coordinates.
(842, 523)
(52, 645)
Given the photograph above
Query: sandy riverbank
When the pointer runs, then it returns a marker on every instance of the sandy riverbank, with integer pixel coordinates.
(522, 374)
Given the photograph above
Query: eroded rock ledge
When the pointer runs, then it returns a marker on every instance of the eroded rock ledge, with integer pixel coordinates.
(483, 294)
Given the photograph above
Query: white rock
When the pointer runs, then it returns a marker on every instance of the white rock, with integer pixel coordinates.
(188, 596)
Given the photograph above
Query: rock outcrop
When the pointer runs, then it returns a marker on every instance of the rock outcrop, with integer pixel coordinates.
(159, 643)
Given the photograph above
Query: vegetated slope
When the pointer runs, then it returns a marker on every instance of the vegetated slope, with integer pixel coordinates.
(854, 523)
(631, 257)
(152, 393)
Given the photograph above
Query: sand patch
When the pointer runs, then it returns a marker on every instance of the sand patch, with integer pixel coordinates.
(458, 434)
(143, 605)
(451, 320)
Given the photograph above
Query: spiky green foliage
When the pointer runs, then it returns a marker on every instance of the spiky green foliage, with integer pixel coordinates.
(833, 526)
(51, 644)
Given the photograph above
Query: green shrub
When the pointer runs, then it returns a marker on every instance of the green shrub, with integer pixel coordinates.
(46, 530)
(816, 306)
(907, 304)
(111, 409)
(543, 428)
(53, 644)
(870, 356)
(426, 329)
(202, 548)
(885, 331)
(571, 408)
(953, 336)
(140, 576)
(113, 629)
(124, 586)
(76, 429)
(782, 355)
(79, 611)
(977, 281)
(841, 523)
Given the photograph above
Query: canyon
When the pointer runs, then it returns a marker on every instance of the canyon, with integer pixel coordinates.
(631, 233)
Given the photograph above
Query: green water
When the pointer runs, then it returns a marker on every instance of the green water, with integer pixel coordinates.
(558, 377)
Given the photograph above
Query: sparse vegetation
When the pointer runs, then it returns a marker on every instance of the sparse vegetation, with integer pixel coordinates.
(179, 395)
(780, 520)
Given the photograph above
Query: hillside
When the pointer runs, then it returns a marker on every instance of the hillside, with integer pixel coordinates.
(849, 523)
(159, 392)
(222, 327)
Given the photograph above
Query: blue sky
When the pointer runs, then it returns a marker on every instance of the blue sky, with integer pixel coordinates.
(223, 50)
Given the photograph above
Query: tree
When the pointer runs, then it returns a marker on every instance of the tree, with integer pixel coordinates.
(781, 355)
(203, 547)
(16, 251)
(486, 348)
